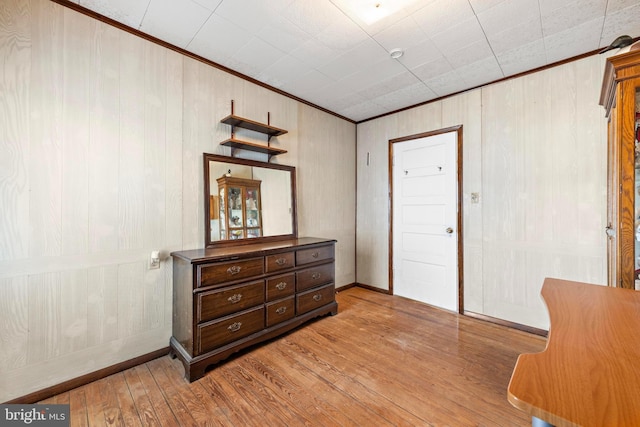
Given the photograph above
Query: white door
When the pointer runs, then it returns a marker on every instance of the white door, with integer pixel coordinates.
(425, 218)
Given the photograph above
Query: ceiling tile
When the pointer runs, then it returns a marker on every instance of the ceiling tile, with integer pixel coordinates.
(447, 83)
(422, 53)
(312, 16)
(285, 69)
(282, 33)
(363, 110)
(469, 54)
(508, 14)
(480, 72)
(513, 37)
(307, 82)
(315, 53)
(439, 15)
(252, 15)
(571, 15)
(616, 5)
(209, 4)
(625, 21)
(128, 12)
(457, 36)
(409, 95)
(523, 58)
(206, 42)
(342, 34)
(404, 34)
(255, 56)
(432, 69)
(581, 38)
(368, 76)
(174, 23)
(391, 84)
(480, 6)
(361, 57)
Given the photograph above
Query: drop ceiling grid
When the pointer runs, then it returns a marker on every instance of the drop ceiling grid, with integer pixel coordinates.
(316, 51)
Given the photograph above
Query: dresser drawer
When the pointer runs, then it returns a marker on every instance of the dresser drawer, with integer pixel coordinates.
(281, 286)
(306, 256)
(216, 273)
(280, 262)
(314, 298)
(314, 276)
(231, 328)
(229, 300)
(279, 311)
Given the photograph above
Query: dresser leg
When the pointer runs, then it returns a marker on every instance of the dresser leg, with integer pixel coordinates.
(537, 422)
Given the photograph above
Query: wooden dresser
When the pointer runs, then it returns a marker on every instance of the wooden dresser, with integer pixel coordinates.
(229, 298)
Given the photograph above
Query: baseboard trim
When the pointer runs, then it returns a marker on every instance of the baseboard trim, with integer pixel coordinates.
(88, 378)
(345, 287)
(372, 288)
(521, 327)
(478, 316)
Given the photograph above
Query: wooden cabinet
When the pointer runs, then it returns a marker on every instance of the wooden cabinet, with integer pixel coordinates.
(240, 208)
(230, 298)
(619, 96)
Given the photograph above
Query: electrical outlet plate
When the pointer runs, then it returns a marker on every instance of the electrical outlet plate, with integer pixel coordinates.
(154, 260)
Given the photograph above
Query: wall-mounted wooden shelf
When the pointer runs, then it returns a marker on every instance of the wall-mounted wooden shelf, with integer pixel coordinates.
(252, 125)
(244, 145)
(271, 131)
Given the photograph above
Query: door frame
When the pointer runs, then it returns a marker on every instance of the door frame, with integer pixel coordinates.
(458, 130)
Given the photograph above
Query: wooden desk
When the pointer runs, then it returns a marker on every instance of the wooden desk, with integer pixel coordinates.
(589, 374)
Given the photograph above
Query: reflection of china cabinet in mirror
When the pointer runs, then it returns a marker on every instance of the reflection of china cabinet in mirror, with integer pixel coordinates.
(235, 143)
(619, 97)
(240, 208)
(257, 201)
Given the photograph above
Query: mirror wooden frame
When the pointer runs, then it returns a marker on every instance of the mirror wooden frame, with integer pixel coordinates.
(208, 242)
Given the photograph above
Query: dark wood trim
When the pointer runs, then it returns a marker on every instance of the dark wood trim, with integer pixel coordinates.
(345, 287)
(123, 27)
(458, 130)
(372, 288)
(83, 10)
(88, 378)
(515, 76)
(513, 325)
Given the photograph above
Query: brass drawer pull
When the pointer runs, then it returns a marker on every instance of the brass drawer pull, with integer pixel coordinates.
(281, 310)
(234, 327)
(235, 269)
(280, 286)
(315, 276)
(234, 298)
(315, 254)
(281, 261)
(317, 297)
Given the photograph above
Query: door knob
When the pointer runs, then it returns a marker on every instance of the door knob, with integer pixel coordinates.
(449, 230)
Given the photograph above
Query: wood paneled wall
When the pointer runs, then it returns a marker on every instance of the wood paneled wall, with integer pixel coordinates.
(101, 142)
(534, 148)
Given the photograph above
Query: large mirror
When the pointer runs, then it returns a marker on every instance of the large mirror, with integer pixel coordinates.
(248, 201)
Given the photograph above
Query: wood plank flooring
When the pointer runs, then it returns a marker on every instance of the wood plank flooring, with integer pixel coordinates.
(382, 361)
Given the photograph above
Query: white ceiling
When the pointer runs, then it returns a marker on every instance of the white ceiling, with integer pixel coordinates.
(318, 50)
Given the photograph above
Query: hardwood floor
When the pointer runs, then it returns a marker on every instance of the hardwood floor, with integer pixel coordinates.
(382, 361)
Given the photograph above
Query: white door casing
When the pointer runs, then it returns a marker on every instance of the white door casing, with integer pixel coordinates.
(425, 219)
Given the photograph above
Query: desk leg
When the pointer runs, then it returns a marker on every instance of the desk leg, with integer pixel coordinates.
(537, 422)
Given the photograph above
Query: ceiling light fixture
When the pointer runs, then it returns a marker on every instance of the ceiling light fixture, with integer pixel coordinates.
(370, 12)
(396, 53)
